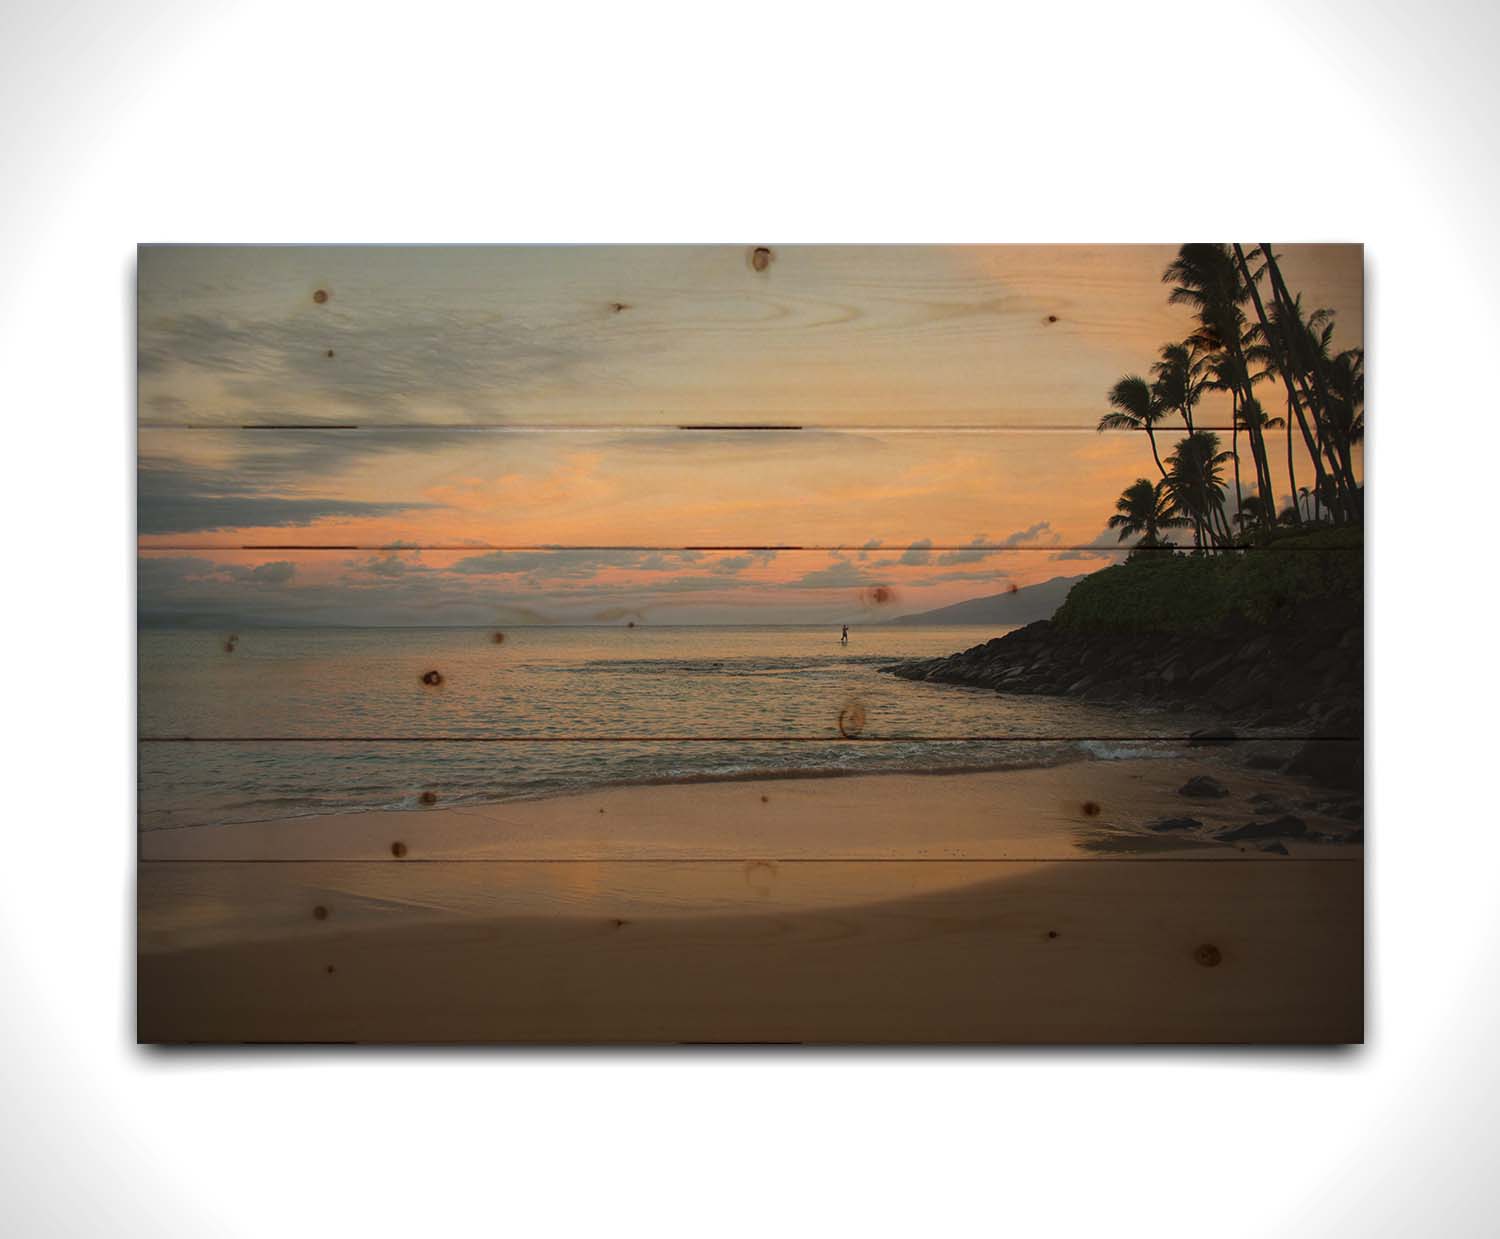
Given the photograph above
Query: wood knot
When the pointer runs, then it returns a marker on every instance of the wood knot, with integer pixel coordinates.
(851, 720)
(1052, 318)
(1208, 955)
(320, 296)
(398, 849)
(432, 678)
(760, 258)
(1052, 933)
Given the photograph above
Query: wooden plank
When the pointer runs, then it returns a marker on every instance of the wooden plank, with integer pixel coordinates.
(651, 800)
(518, 593)
(662, 335)
(744, 951)
(665, 488)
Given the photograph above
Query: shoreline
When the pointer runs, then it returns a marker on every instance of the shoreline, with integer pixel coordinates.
(1067, 809)
(1176, 746)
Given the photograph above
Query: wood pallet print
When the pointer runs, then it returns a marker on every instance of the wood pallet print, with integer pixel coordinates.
(794, 644)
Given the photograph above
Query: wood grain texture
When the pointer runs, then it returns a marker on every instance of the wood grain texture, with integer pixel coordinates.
(1081, 809)
(818, 334)
(527, 489)
(824, 952)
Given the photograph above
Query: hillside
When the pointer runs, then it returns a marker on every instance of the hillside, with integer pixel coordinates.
(1032, 602)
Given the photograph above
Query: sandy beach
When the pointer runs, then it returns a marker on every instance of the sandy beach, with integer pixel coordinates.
(763, 910)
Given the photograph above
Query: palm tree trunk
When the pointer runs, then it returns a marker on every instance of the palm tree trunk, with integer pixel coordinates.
(1234, 417)
(1155, 455)
(1291, 472)
(1282, 364)
(1325, 429)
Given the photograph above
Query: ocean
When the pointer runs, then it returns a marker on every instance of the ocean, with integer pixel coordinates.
(241, 734)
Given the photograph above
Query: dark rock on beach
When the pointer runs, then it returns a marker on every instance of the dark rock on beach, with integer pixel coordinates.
(1203, 787)
(1175, 823)
(1287, 827)
(1336, 763)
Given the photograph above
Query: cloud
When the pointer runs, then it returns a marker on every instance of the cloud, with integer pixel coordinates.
(563, 564)
(917, 553)
(1106, 546)
(388, 566)
(278, 572)
(179, 499)
(732, 565)
(841, 574)
(386, 357)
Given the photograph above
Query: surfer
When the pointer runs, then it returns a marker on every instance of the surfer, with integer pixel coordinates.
(844, 639)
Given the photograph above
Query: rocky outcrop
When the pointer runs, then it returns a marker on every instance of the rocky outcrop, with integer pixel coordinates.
(1266, 678)
(1287, 827)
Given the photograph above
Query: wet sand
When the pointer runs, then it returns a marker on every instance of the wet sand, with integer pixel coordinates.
(1059, 812)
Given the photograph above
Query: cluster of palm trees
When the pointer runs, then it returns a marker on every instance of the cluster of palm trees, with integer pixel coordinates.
(1246, 335)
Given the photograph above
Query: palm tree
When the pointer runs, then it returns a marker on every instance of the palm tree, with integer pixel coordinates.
(1206, 278)
(1136, 407)
(1197, 486)
(1146, 509)
(1292, 348)
(1181, 376)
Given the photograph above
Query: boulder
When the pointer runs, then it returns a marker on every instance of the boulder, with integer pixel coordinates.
(1203, 787)
(1286, 827)
(1175, 823)
(1334, 763)
(1212, 735)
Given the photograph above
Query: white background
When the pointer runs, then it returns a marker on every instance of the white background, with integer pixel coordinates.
(776, 122)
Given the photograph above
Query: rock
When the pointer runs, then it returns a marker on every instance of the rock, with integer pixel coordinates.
(1203, 787)
(1334, 763)
(1278, 848)
(1265, 761)
(1175, 823)
(1287, 827)
(1211, 735)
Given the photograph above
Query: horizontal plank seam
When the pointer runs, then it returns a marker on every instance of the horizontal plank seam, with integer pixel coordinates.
(1195, 741)
(804, 426)
(987, 548)
(760, 858)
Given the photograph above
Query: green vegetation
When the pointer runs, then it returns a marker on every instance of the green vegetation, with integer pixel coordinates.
(1243, 338)
(1310, 579)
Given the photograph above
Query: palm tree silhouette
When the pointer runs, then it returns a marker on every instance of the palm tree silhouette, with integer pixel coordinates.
(1197, 485)
(1136, 407)
(1144, 508)
(1205, 277)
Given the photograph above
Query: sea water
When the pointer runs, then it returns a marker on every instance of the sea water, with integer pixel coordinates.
(239, 729)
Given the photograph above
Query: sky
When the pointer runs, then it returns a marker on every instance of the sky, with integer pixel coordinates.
(491, 435)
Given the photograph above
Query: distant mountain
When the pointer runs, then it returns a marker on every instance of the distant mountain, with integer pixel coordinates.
(1031, 602)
